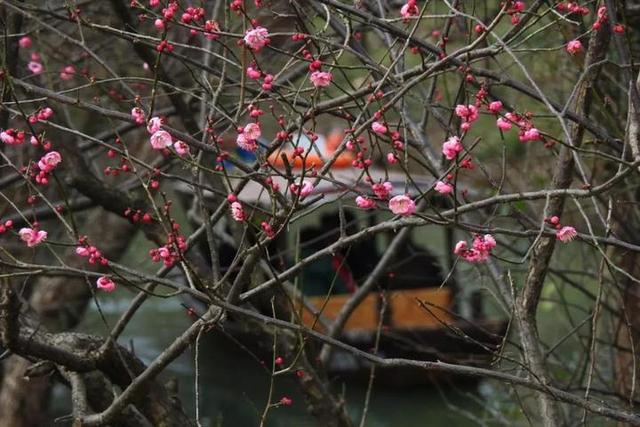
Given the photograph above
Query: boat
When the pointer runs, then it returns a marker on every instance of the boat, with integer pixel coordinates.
(421, 316)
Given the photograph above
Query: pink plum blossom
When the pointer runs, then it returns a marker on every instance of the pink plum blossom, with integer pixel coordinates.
(443, 187)
(495, 107)
(365, 202)
(248, 135)
(9, 137)
(566, 234)
(160, 140)
(181, 148)
(252, 131)
(382, 190)
(481, 250)
(25, 42)
(402, 205)
(32, 236)
(574, 46)
(237, 212)
(268, 83)
(409, 9)
(253, 73)
(245, 143)
(460, 247)
(138, 115)
(105, 284)
(49, 161)
(35, 67)
(302, 190)
(45, 114)
(155, 123)
(257, 38)
(532, 134)
(211, 30)
(452, 147)
(67, 72)
(82, 251)
(321, 78)
(379, 128)
(504, 124)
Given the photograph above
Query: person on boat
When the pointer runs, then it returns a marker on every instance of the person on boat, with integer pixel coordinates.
(328, 275)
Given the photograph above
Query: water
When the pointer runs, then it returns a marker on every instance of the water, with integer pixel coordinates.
(234, 386)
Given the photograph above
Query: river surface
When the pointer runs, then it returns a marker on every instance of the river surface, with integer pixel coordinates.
(233, 386)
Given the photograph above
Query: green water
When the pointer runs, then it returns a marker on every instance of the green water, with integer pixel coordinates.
(233, 386)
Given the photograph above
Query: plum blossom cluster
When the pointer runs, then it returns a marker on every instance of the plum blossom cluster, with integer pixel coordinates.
(515, 9)
(7, 225)
(248, 135)
(255, 74)
(565, 233)
(318, 78)
(268, 229)
(43, 114)
(170, 253)
(301, 190)
(138, 115)
(160, 139)
(12, 136)
(480, 251)
(468, 114)
(46, 165)
(572, 7)
(601, 18)
(136, 216)
(192, 16)
(211, 30)
(93, 254)
(358, 145)
(257, 38)
(381, 190)
(35, 64)
(527, 132)
(67, 72)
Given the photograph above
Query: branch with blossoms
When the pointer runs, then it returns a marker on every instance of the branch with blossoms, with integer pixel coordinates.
(216, 129)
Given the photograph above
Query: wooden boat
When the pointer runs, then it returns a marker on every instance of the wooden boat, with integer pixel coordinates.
(421, 319)
(417, 324)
